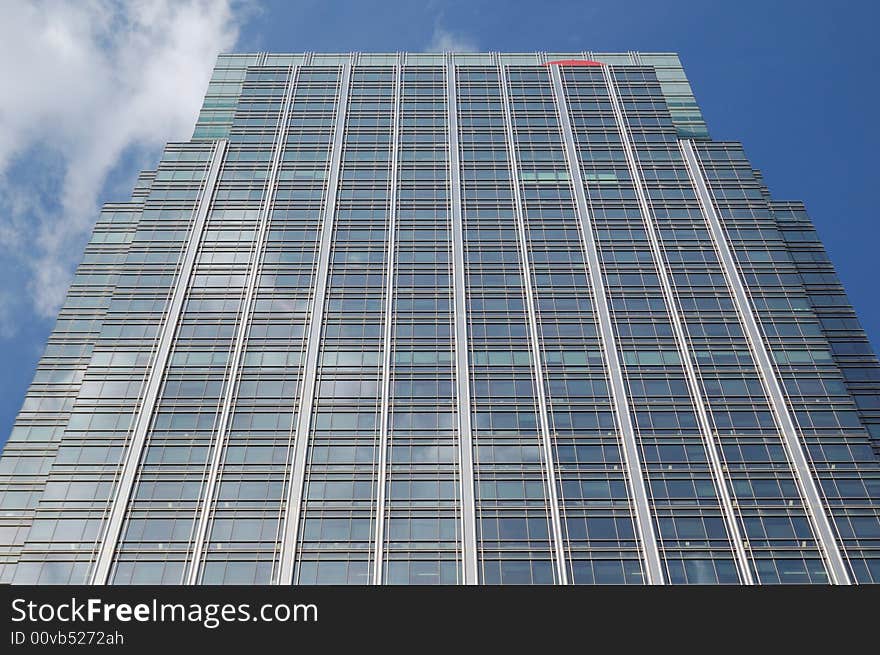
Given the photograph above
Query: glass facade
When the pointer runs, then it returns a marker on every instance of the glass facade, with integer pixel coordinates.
(449, 319)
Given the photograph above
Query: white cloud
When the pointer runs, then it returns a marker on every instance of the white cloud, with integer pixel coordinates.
(447, 41)
(84, 83)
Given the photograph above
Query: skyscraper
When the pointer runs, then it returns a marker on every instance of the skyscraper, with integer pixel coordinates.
(449, 318)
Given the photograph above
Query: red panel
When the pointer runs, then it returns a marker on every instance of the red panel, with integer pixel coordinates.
(574, 62)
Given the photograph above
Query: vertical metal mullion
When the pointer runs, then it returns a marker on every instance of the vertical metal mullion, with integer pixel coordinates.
(680, 336)
(535, 342)
(290, 531)
(462, 371)
(255, 266)
(838, 573)
(124, 488)
(382, 474)
(632, 459)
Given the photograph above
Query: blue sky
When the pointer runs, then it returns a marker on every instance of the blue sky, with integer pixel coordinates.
(796, 82)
